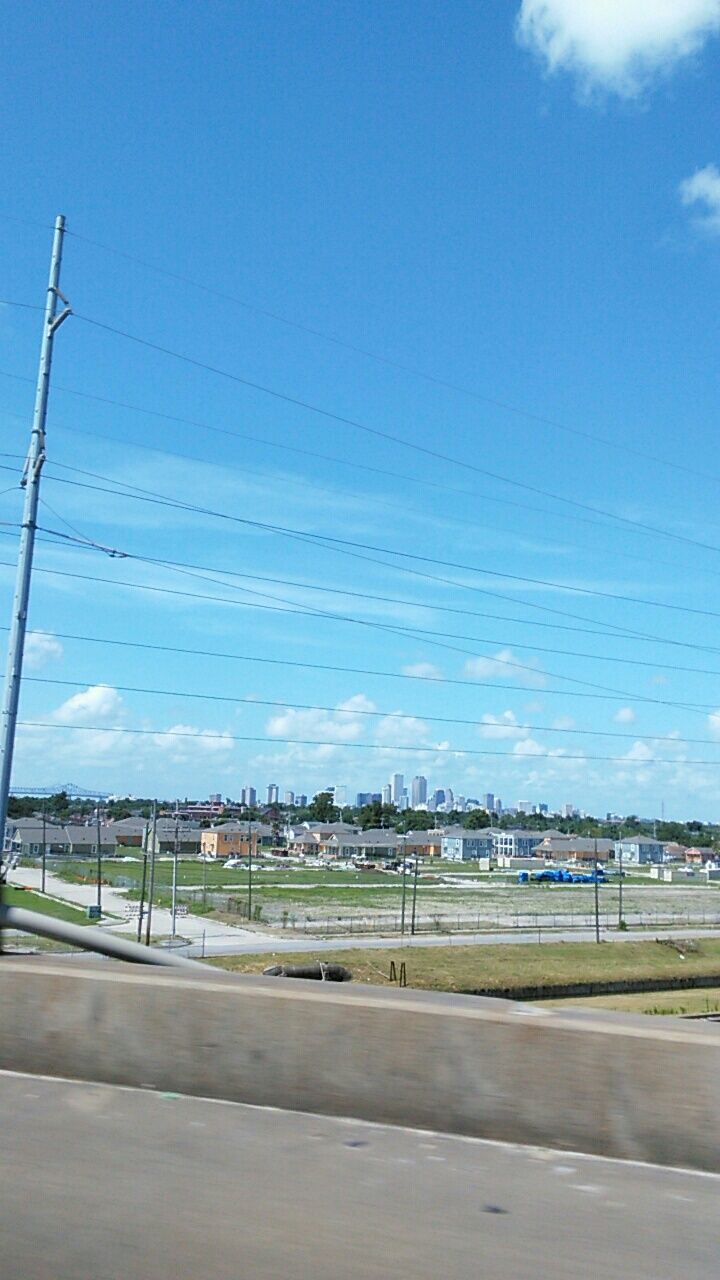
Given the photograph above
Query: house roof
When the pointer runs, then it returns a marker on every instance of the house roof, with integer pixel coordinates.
(467, 833)
(380, 838)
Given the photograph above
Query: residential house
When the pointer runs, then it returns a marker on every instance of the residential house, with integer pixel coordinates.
(567, 848)
(422, 844)
(698, 855)
(231, 839)
(308, 838)
(369, 846)
(460, 844)
(517, 843)
(639, 850)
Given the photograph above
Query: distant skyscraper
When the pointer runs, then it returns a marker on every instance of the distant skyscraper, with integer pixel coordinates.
(419, 790)
(449, 798)
(396, 787)
(523, 806)
(300, 801)
(289, 797)
(438, 797)
(273, 793)
(249, 797)
(387, 794)
(489, 802)
(498, 805)
(362, 798)
(339, 794)
(216, 798)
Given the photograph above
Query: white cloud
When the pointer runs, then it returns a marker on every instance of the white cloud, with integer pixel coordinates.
(344, 723)
(703, 189)
(616, 45)
(40, 648)
(184, 738)
(505, 665)
(625, 715)
(714, 723)
(425, 670)
(638, 753)
(99, 704)
(503, 726)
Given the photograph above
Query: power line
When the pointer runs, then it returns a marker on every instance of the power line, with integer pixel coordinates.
(281, 704)
(388, 361)
(435, 454)
(139, 494)
(613, 696)
(364, 595)
(324, 666)
(314, 454)
(360, 746)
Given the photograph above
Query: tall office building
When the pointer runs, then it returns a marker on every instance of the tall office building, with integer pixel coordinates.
(249, 797)
(273, 793)
(301, 802)
(449, 798)
(489, 802)
(289, 797)
(387, 794)
(419, 790)
(397, 783)
(438, 797)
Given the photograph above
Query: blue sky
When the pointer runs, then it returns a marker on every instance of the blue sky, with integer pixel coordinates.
(517, 200)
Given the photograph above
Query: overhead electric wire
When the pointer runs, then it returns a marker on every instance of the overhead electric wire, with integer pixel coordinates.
(390, 362)
(283, 704)
(324, 666)
(376, 432)
(364, 595)
(611, 695)
(139, 494)
(314, 454)
(360, 746)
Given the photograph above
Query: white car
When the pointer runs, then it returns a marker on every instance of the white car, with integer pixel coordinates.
(232, 864)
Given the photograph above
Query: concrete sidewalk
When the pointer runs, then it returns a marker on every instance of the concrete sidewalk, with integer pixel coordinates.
(129, 1185)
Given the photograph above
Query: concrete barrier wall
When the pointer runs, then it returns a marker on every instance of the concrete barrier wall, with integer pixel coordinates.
(614, 1084)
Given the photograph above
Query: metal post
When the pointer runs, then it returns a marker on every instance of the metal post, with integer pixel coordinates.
(99, 862)
(249, 870)
(597, 898)
(414, 896)
(31, 484)
(620, 892)
(151, 886)
(174, 878)
(404, 889)
(143, 881)
(44, 849)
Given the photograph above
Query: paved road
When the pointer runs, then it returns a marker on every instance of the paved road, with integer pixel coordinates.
(261, 943)
(128, 1185)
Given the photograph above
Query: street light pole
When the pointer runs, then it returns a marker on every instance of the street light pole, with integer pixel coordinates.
(597, 897)
(151, 886)
(99, 859)
(620, 891)
(174, 878)
(44, 849)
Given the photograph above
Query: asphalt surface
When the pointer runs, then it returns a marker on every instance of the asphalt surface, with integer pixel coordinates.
(124, 1184)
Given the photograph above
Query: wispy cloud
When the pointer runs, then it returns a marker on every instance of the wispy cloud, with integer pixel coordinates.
(505, 665)
(702, 190)
(619, 46)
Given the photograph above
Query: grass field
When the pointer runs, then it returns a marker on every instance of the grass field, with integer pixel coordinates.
(706, 1000)
(14, 897)
(464, 968)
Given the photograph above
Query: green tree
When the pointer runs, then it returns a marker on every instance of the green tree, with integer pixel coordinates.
(322, 808)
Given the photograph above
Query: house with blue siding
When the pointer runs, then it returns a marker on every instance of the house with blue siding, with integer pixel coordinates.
(462, 845)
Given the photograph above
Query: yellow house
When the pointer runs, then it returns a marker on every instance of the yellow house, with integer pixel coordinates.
(228, 841)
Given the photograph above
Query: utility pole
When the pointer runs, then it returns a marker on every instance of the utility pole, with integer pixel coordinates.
(620, 890)
(597, 897)
(142, 884)
(151, 886)
(249, 870)
(174, 879)
(404, 888)
(99, 861)
(414, 897)
(31, 484)
(44, 849)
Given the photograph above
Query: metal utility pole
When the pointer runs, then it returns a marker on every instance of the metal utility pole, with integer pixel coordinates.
(620, 890)
(404, 891)
(99, 861)
(31, 484)
(414, 897)
(597, 897)
(44, 849)
(249, 870)
(174, 878)
(151, 886)
(142, 885)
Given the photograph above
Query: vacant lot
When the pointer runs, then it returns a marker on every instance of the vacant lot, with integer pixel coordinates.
(465, 969)
(679, 1003)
